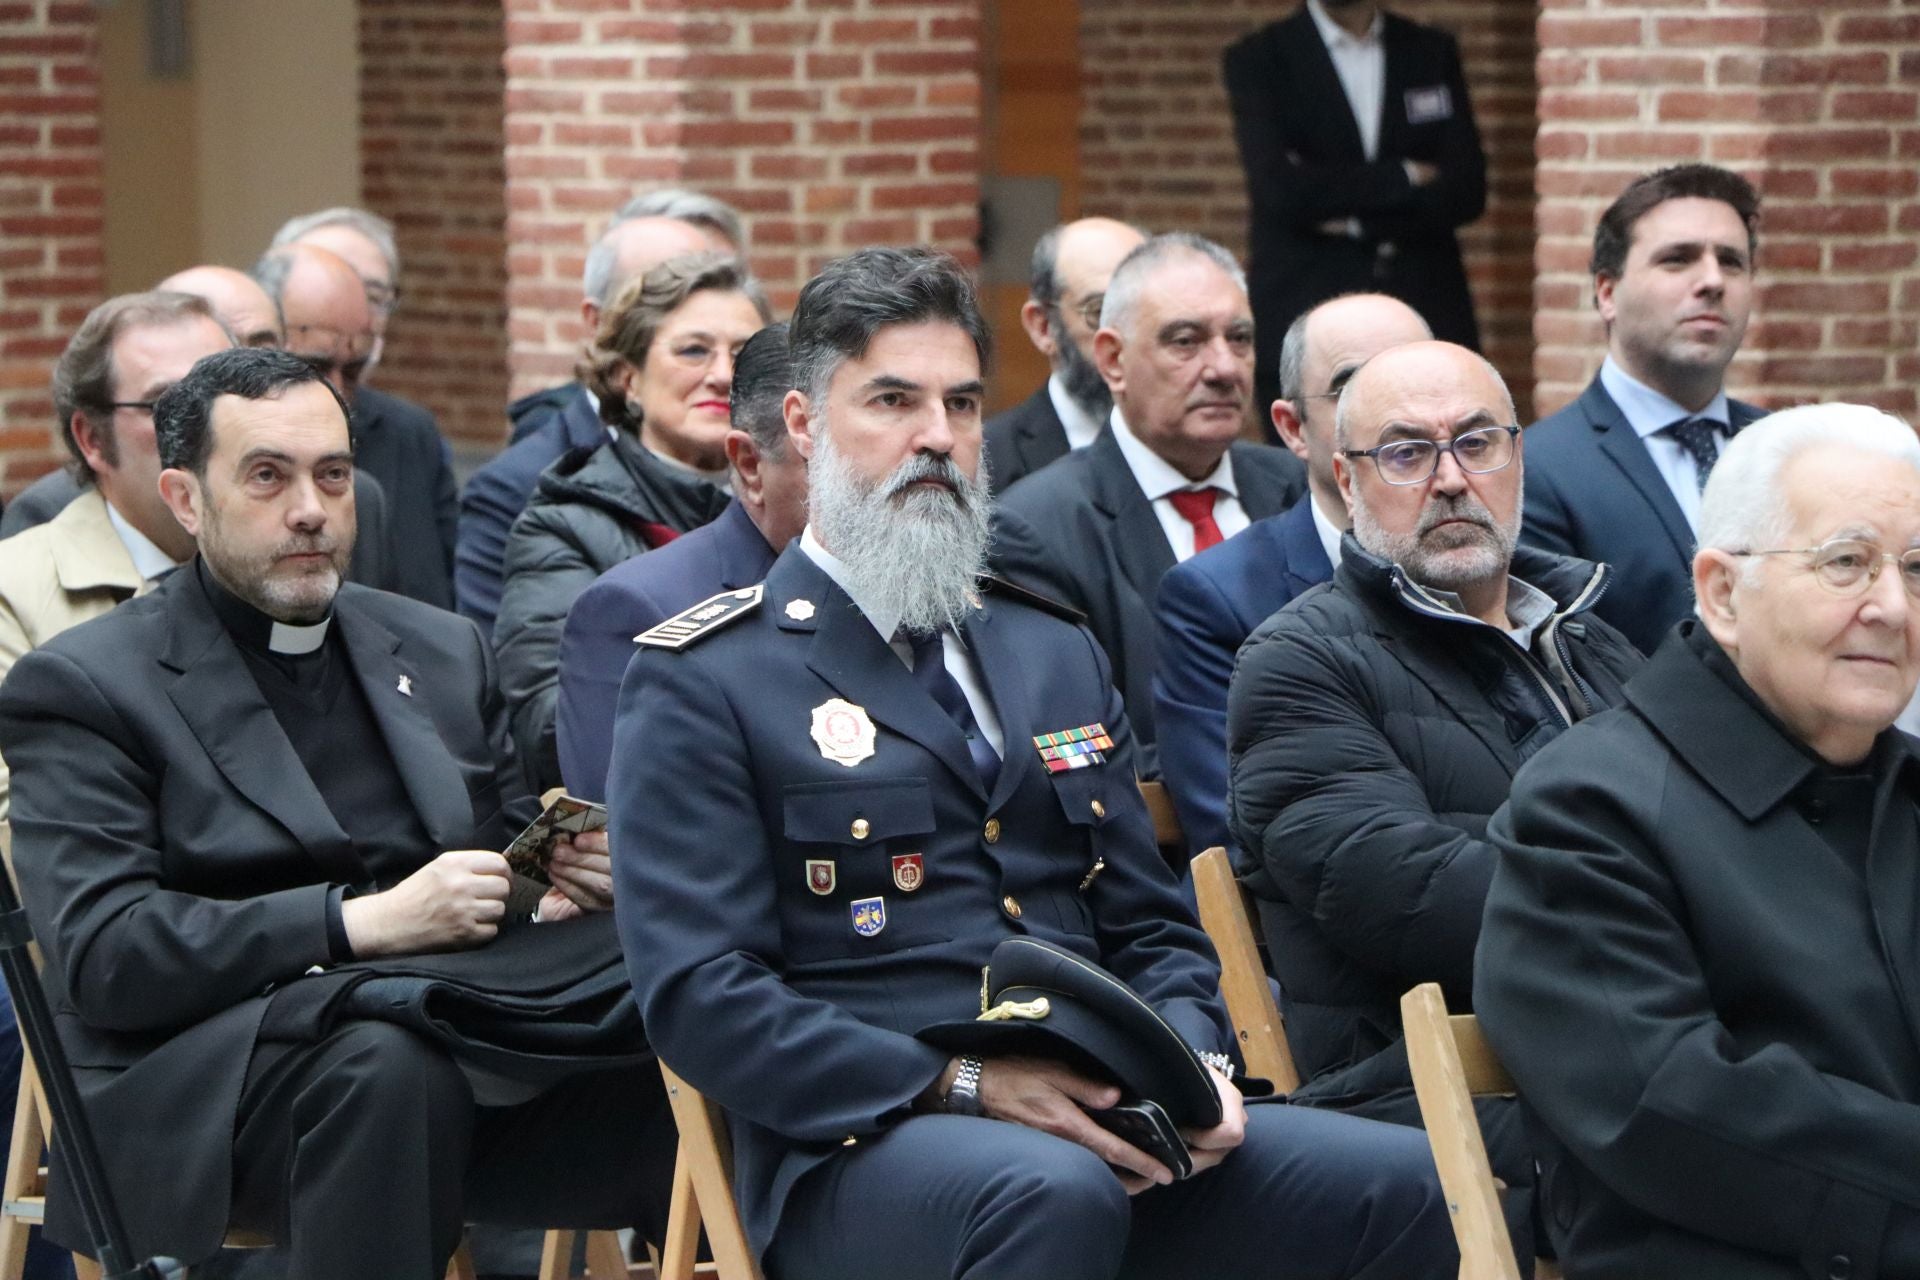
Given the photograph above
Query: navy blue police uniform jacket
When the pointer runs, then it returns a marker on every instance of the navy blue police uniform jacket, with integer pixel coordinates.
(792, 914)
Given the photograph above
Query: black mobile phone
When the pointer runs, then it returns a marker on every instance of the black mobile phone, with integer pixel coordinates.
(1147, 1126)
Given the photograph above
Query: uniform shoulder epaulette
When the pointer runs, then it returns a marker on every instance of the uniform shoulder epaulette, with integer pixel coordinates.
(703, 619)
(1014, 591)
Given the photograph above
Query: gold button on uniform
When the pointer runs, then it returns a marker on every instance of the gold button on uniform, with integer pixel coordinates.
(1099, 810)
(860, 828)
(992, 833)
(1012, 904)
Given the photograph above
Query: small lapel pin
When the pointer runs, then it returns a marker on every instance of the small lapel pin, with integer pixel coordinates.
(405, 686)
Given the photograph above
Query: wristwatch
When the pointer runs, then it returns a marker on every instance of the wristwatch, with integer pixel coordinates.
(963, 1095)
(1219, 1062)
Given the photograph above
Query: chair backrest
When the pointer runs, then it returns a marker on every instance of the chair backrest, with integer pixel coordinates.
(1227, 917)
(1452, 1062)
(703, 1190)
(1166, 821)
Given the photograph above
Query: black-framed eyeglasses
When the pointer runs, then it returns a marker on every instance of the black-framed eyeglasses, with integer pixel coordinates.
(1478, 451)
(1848, 566)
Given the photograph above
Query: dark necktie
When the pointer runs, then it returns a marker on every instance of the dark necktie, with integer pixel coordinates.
(930, 673)
(1696, 436)
(1196, 506)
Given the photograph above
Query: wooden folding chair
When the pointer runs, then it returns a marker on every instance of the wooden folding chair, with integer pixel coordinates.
(703, 1192)
(1452, 1065)
(1227, 915)
(1166, 820)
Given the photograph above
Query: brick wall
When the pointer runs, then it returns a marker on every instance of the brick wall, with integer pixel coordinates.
(1157, 140)
(50, 216)
(1818, 104)
(431, 134)
(831, 124)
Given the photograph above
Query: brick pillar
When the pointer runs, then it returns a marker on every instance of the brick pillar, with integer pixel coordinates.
(50, 216)
(831, 124)
(431, 139)
(1818, 104)
(1157, 139)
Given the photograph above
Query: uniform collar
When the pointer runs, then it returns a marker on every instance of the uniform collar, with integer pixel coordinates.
(1156, 476)
(834, 567)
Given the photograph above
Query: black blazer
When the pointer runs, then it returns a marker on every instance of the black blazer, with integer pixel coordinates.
(1713, 1014)
(399, 443)
(1082, 532)
(175, 860)
(1594, 492)
(1024, 439)
(1305, 165)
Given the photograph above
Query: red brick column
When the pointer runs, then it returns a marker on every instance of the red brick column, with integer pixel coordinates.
(831, 124)
(1157, 139)
(431, 138)
(50, 216)
(1818, 104)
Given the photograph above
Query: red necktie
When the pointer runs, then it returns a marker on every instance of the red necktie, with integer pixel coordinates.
(1197, 506)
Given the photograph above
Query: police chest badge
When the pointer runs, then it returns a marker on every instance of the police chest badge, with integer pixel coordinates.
(909, 871)
(842, 731)
(869, 916)
(821, 875)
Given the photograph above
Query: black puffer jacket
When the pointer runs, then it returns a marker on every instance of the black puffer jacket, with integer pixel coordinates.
(1372, 734)
(591, 509)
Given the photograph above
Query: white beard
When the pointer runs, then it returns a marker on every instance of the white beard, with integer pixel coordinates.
(915, 554)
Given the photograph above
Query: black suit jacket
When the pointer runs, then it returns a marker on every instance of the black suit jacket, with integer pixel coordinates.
(1305, 165)
(399, 443)
(1715, 1015)
(175, 859)
(1594, 492)
(1083, 532)
(1023, 439)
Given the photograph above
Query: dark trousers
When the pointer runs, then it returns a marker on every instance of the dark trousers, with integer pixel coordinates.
(1309, 1194)
(1508, 1151)
(364, 1154)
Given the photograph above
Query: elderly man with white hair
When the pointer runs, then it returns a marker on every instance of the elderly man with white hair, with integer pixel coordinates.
(1700, 957)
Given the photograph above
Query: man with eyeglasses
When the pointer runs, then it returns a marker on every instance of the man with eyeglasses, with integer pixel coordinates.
(330, 324)
(1170, 476)
(1718, 885)
(1376, 723)
(1071, 266)
(1209, 605)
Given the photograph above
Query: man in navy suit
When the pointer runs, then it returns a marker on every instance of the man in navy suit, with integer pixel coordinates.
(1211, 604)
(1169, 477)
(1071, 266)
(829, 807)
(497, 493)
(1617, 474)
(735, 550)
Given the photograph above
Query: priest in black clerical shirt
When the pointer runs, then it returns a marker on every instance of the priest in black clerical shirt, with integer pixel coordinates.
(253, 771)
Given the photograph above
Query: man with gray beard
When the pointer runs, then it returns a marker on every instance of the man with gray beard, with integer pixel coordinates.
(834, 794)
(1375, 723)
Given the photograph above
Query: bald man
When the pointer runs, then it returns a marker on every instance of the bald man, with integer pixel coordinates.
(1375, 724)
(236, 298)
(1209, 605)
(498, 491)
(1071, 266)
(330, 324)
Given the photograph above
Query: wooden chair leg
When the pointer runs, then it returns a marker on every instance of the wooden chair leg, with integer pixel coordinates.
(460, 1265)
(556, 1256)
(683, 1223)
(85, 1268)
(605, 1261)
(22, 1177)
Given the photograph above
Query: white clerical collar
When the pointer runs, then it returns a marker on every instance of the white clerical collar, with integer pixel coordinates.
(1329, 531)
(1155, 475)
(290, 638)
(149, 561)
(1333, 34)
(831, 565)
(1082, 428)
(1649, 412)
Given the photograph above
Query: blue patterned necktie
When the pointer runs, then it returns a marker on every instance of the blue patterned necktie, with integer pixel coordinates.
(930, 673)
(1696, 436)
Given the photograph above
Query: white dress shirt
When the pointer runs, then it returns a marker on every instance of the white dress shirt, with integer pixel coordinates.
(953, 650)
(1157, 478)
(1082, 427)
(1361, 64)
(1329, 531)
(1649, 414)
(149, 561)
